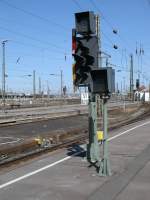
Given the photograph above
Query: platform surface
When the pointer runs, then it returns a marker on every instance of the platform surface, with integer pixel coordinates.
(60, 176)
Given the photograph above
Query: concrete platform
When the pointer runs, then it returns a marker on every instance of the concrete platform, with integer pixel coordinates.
(60, 176)
(139, 187)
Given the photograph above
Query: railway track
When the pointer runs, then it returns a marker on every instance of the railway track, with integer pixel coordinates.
(78, 136)
(13, 119)
(23, 157)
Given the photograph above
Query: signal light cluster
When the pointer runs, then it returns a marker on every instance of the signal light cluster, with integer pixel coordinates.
(84, 47)
(85, 51)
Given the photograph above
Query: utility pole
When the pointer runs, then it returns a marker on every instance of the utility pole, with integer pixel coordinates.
(131, 79)
(61, 82)
(149, 91)
(34, 88)
(139, 53)
(48, 90)
(117, 87)
(3, 74)
(39, 86)
(124, 85)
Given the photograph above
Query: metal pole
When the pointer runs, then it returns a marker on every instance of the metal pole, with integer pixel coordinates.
(106, 62)
(34, 89)
(149, 91)
(48, 91)
(39, 86)
(124, 85)
(117, 88)
(105, 165)
(99, 40)
(99, 61)
(121, 88)
(93, 152)
(124, 93)
(3, 74)
(131, 78)
(61, 81)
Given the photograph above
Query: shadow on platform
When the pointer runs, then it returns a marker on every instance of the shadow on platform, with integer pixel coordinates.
(76, 150)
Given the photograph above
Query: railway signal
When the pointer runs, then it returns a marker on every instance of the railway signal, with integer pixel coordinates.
(85, 56)
(100, 82)
(103, 81)
(85, 23)
(84, 48)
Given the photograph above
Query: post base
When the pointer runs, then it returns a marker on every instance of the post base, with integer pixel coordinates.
(104, 168)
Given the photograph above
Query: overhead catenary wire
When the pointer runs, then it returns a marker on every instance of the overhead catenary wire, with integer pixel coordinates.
(33, 14)
(93, 3)
(35, 46)
(112, 28)
(77, 4)
(110, 25)
(107, 37)
(124, 41)
(40, 48)
(102, 15)
(48, 29)
(31, 38)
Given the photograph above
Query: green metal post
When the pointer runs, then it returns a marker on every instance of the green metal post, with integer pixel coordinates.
(93, 152)
(105, 163)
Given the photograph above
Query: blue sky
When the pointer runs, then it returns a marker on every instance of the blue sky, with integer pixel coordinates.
(39, 34)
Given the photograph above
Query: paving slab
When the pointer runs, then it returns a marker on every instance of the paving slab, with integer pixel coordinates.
(139, 187)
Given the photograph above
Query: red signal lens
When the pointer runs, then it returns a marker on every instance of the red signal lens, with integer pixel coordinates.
(73, 44)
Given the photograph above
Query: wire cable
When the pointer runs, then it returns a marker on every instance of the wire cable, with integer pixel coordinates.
(48, 29)
(102, 15)
(41, 48)
(109, 23)
(31, 38)
(33, 15)
(77, 4)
